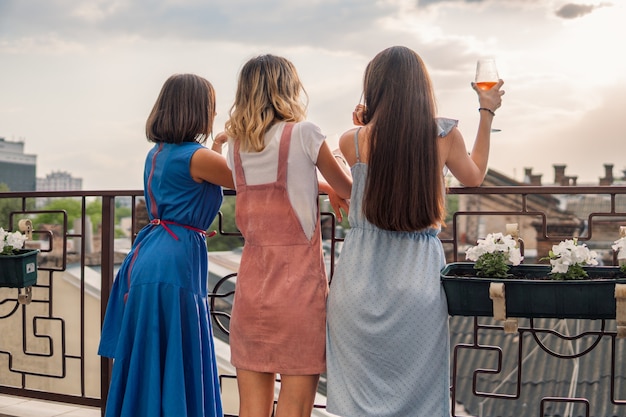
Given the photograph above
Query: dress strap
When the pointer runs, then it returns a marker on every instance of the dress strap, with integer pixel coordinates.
(356, 144)
(283, 153)
(240, 178)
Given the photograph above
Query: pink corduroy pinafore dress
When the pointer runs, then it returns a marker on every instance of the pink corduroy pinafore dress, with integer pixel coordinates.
(278, 321)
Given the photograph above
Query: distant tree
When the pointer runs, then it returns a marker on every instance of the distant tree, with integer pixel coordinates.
(12, 205)
(56, 207)
(73, 208)
(219, 242)
(121, 212)
(8, 205)
(94, 211)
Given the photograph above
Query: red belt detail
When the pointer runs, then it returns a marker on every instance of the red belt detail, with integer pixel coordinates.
(164, 223)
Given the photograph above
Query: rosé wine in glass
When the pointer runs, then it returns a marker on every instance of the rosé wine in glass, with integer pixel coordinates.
(486, 74)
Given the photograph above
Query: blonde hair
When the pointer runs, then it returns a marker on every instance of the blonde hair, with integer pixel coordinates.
(268, 91)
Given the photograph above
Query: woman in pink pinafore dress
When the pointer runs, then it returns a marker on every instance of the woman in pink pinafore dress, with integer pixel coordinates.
(281, 282)
(278, 321)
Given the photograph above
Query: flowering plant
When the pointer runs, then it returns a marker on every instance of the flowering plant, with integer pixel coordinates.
(620, 247)
(568, 258)
(10, 243)
(493, 254)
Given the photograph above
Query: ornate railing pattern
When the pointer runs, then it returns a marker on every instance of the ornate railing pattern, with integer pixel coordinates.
(47, 348)
(49, 352)
(523, 374)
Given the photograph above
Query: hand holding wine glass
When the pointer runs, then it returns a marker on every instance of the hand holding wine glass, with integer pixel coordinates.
(486, 79)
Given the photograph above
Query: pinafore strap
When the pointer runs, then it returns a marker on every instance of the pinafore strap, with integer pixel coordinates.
(283, 154)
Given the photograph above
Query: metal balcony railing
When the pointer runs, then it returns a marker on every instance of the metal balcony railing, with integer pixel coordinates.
(48, 346)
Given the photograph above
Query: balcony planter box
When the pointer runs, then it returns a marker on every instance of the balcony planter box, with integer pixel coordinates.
(19, 270)
(531, 293)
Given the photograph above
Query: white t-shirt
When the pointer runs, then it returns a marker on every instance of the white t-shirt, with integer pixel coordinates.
(302, 184)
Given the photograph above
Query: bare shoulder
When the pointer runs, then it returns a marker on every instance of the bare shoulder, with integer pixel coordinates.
(453, 136)
(347, 138)
(346, 145)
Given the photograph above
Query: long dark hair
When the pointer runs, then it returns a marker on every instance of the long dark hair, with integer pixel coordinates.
(404, 189)
(183, 112)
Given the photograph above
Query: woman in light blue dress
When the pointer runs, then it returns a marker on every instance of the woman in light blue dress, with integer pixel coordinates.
(387, 330)
(157, 325)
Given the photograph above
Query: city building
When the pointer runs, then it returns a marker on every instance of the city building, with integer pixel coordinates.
(59, 181)
(569, 214)
(17, 169)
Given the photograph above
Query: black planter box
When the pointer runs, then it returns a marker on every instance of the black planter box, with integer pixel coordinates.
(19, 270)
(530, 294)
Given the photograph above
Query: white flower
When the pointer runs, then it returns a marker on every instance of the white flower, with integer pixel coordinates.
(11, 241)
(16, 239)
(620, 248)
(560, 266)
(496, 242)
(569, 253)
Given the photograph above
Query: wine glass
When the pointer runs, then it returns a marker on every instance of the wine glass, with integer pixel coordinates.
(486, 76)
(486, 73)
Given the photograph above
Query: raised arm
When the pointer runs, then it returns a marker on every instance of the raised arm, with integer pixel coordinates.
(208, 165)
(470, 169)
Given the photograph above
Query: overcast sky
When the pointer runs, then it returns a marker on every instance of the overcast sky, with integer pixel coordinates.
(78, 78)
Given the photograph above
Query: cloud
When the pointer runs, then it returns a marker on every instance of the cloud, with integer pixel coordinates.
(574, 11)
(509, 2)
(92, 69)
(360, 26)
(283, 22)
(356, 27)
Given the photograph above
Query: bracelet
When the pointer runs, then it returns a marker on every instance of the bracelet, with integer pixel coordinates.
(486, 109)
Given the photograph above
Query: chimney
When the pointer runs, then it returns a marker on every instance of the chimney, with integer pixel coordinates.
(559, 173)
(535, 179)
(528, 172)
(608, 175)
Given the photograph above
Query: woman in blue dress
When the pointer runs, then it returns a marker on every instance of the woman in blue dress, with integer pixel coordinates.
(387, 343)
(157, 326)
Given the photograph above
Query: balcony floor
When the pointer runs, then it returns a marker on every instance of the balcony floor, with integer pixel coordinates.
(11, 406)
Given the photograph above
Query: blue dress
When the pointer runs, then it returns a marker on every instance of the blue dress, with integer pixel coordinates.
(157, 325)
(387, 348)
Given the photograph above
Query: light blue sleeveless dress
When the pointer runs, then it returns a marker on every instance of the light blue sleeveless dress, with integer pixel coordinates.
(157, 325)
(387, 343)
